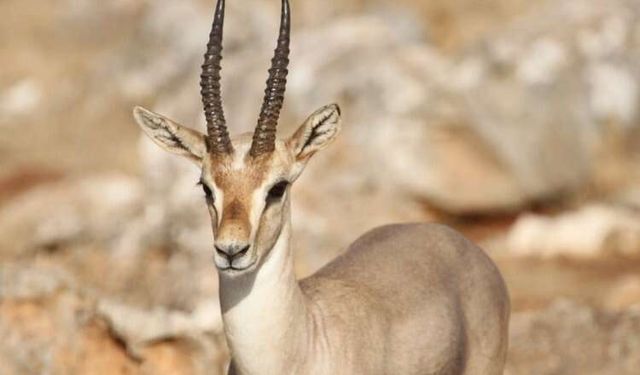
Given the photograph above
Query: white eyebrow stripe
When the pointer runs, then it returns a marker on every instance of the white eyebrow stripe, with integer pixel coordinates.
(218, 203)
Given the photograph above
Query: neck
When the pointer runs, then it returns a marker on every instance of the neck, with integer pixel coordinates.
(264, 314)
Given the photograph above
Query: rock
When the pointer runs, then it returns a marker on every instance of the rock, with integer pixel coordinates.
(20, 99)
(430, 125)
(97, 208)
(111, 232)
(27, 282)
(136, 326)
(624, 294)
(170, 340)
(175, 210)
(594, 232)
(628, 196)
(569, 338)
(171, 357)
(50, 324)
(48, 327)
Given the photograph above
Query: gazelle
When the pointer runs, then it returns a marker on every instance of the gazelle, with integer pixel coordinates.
(404, 299)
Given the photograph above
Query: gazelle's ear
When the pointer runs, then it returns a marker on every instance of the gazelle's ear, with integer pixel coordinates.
(317, 132)
(171, 136)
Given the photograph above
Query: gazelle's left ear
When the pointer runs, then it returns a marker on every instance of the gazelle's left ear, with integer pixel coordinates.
(317, 132)
(170, 135)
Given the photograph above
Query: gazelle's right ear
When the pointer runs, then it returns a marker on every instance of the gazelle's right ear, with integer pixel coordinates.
(171, 136)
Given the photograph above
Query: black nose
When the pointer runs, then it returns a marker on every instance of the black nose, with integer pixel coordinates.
(232, 252)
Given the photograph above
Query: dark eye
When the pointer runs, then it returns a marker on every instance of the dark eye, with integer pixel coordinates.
(277, 191)
(207, 191)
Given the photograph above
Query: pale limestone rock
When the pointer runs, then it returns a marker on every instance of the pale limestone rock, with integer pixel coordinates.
(591, 233)
(94, 208)
(138, 326)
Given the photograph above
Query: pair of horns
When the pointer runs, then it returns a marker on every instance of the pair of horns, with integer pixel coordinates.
(264, 136)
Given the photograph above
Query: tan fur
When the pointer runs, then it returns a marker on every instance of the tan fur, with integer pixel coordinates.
(403, 299)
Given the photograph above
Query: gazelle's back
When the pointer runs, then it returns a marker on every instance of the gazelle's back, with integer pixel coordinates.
(438, 300)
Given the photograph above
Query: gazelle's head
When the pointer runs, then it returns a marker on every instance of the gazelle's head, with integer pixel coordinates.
(246, 180)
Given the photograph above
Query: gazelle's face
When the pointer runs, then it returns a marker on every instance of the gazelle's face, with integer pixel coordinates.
(247, 197)
(248, 200)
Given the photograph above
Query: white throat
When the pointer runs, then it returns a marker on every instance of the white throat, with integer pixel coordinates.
(264, 314)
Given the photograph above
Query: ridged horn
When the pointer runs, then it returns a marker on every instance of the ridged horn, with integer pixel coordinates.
(218, 137)
(264, 136)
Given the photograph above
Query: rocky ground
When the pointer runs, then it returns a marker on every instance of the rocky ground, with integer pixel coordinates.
(514, 121)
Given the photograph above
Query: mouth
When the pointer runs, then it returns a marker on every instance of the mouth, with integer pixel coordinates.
(234, 270)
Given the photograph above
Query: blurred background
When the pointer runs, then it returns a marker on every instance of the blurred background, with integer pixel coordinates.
(516, 122)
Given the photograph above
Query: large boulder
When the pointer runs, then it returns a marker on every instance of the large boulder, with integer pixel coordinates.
(596, 232)
(570, 338)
